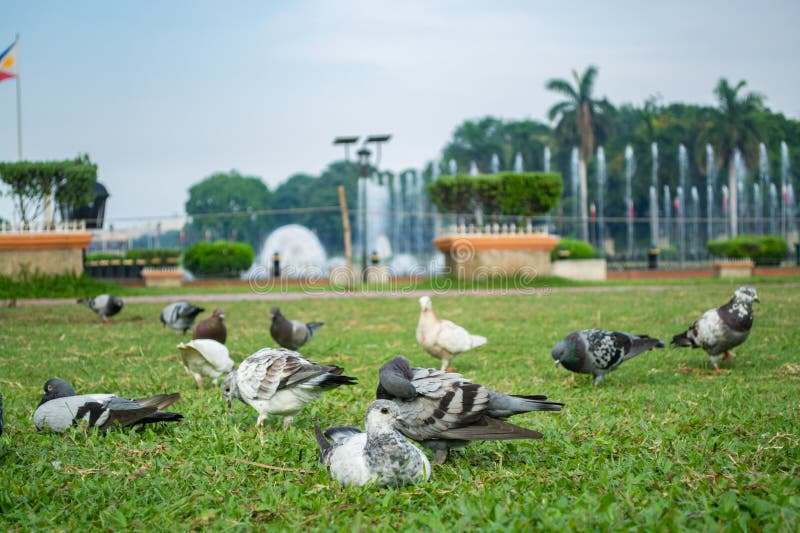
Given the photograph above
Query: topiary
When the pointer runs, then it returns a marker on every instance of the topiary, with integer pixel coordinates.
(573, 249)
(221, 258)
(763, 249)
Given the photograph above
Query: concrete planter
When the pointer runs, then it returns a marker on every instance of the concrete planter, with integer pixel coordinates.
(162, 277)
(580, 269)
(45, 252)
(472, 256)
(733, 269)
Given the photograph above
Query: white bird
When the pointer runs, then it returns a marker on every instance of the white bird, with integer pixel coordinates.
(180, 316)
(442, 338)
(276, 381)
(381, 455)
(205, 357)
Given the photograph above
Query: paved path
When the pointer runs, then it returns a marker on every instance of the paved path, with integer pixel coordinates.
(400, 293)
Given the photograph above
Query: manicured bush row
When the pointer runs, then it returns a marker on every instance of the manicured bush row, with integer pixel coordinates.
(764, 249)
(221, 258)
(573, 249)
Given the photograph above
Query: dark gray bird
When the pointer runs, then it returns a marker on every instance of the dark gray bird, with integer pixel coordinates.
(290, 334)
(381, 455)
(180, 316)
(720, 330)
(105, 305)
(598, 352)
(212, 327)
(442, 410)
(61, 408)
(274, 381)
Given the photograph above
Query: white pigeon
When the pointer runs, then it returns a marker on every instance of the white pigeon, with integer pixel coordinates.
(442, 338)
(276, 381)
(205, 357)
(382, 455)
(721, 329)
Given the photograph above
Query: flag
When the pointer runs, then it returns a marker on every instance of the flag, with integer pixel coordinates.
(8, 62)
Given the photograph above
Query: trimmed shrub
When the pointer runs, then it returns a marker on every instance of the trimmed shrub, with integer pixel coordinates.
(35, 285)
(764, 249)
(156, 253)
(573, 249)
(221, 258)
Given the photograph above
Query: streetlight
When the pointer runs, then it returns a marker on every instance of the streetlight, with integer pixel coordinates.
(346, 141)
(363, 172)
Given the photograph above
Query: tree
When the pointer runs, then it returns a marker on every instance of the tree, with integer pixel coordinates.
(735, 125)
(229, 206)
(581, 116)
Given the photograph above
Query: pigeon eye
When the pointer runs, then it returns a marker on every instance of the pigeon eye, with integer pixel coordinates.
(49, 388)
(384, 410)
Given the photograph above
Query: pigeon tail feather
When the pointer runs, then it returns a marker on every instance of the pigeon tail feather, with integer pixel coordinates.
(160, 416)
(313, 327)
(503, 405)
(331, 380)
(477, 340)
(643, 344)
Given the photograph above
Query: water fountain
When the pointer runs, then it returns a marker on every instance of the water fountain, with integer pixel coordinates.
(763, 183)
(725, 206)
(759, 215)
(711, 179)
(547, 159)
(694, 235)
(495, 164)
(773, 210)
(667, 215)
(683, 169)
(519, 165)
(575, 180)
(630, 167)
(473, 168)
(601, 197)
(654, 196)
(740, 172)
(452, 167)
(784, 188)
(301, 252)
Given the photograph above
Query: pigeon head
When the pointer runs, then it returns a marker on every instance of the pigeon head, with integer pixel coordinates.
(219, 313)
(274, 313)
(565, 351)
(382, 416)
(56, 388)
(395, 377)
(230, 388)
(746, 295)
(425, 303)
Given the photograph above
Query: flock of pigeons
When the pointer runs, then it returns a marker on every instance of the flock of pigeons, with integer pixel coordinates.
(439, 409)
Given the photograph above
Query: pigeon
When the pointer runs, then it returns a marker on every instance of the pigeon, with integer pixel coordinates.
(381, 455)
(180, 315)
(441, 338)
(205, 357)
(61, 408)
(720, 330)
(291, 334)
(105, 305)
(598, 352)
(212, 327)
(442, 410)
(275, 381)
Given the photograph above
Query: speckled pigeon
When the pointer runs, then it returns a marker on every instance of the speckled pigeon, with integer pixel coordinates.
(381, 455)
(291, 334)
(442, 410)
(61, 408)
(275, 381)
(105, 305)
(180, 316)
(205, 357)
(442, 338)
(212, 327)
(720, 330)
(598, 352)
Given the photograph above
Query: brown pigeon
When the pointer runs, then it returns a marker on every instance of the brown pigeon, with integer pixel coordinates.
(212, 327)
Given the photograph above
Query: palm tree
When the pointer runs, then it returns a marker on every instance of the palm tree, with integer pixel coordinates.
(579, 115)
(735, 125)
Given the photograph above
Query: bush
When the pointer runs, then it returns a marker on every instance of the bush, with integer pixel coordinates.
(36, 285)
(764, 250)
(221, 258)
(163, 254)
(506, 193)
(573, 249)
(103, 256)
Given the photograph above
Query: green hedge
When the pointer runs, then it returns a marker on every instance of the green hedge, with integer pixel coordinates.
(154, 256)
(221, 258)
(35, 285)
(577, 250)
(505, 193)
(764, 249)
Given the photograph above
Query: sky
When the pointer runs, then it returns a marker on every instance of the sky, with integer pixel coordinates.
(161, 94)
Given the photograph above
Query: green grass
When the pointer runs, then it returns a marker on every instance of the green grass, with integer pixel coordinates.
(663, 443)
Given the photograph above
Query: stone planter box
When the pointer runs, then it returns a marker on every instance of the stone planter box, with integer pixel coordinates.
(45, 252)
(733, 269)
(472, 256)
(580, 269)
(162, 277)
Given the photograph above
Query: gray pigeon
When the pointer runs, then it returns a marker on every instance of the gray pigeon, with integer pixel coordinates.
(274, 381)
(442, 410)
(105, 305)
(598, 352)
(381, 455)
(180, 316)
(291, 334)
(720, 330)
(61, 408)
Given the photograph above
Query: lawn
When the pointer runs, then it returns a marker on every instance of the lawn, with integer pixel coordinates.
(663, 443)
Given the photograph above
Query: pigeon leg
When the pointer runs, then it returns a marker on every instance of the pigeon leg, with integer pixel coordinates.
(597, 379)
(445, 362)
(716, 367)
(260, 421)
(199, 381)
(727, 356)
(106, 321)
(440, 456)
(287, 421)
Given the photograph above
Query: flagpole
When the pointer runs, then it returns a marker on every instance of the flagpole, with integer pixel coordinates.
(19, 108)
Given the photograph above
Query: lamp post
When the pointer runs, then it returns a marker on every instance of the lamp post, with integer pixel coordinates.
(363, 172)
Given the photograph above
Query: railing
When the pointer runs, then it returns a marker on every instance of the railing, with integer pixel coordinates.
(495, 229)
(41, 227)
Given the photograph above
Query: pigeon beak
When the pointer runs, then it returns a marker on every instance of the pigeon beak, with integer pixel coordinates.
(757, 299)
(557, 363)
(229, 402)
